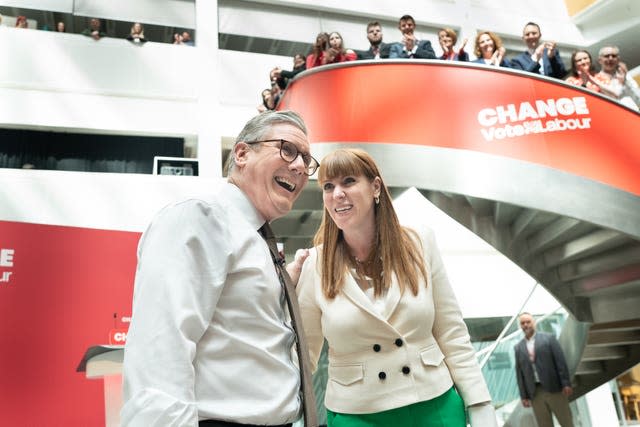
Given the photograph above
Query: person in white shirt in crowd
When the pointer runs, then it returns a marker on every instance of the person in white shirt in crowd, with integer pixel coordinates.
(210, 343)
(616, 82)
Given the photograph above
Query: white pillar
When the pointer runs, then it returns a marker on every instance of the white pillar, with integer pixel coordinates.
(209, 138)
(601, 407)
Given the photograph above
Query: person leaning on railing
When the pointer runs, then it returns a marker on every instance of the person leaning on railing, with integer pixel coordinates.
(583, 71)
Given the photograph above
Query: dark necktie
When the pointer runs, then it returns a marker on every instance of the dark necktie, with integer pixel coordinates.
(309, 400)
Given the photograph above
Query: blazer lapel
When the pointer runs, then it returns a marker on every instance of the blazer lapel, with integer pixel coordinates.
(393, 298)
(357, 296)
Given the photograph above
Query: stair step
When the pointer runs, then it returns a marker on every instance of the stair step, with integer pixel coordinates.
(604, 353)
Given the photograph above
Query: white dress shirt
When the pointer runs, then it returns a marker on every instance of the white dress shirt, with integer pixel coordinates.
(531, 345)
(208, 338)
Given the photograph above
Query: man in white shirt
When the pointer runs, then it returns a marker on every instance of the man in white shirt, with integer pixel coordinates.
(210, 342)
(615, 82)
(543, 375)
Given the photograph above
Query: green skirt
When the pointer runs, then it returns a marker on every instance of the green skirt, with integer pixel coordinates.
(446, 410)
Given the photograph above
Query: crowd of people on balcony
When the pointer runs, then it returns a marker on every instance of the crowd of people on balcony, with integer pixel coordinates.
(95, 30)
(540, 57)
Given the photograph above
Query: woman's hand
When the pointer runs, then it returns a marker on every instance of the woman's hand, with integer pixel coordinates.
(295, 267)
(482, 415)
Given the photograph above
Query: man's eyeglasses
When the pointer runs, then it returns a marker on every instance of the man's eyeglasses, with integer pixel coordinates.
(610, 55)
(289, 153)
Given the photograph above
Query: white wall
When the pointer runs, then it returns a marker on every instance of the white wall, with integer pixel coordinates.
(74, 82)
(105, 201)
(601, 406)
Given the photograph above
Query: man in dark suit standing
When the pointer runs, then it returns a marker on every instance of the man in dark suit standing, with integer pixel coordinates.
(378, 49)
(540, 58)
(410, 46)
(543, 376)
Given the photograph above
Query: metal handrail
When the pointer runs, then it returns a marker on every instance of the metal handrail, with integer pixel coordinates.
(501, 337)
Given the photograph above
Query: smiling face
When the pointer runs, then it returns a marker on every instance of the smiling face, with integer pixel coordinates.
(271, 183)
(446, 42)
(609, 59)
(582, 61)
(531, 36)
(349, 200)
(487, 45)
(407, 26)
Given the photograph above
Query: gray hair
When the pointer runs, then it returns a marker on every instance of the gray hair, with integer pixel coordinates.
(257, 128)
(610, 46)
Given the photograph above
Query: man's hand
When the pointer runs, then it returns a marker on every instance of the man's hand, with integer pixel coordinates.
(551, 49)
(567, 391)
(537, 54)
(409, 40)
(526, 403)
(621, 72)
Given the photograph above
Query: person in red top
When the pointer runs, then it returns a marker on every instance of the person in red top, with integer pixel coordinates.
(583, 71)
(336, 51)
(447, 39)
(21, 22)
(316, 57)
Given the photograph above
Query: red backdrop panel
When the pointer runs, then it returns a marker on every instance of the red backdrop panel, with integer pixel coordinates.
(65, 286)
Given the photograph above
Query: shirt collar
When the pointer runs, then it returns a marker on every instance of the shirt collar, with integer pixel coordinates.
(239, 200)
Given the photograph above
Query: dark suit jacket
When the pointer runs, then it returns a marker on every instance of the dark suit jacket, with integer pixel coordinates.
(550, 365)
(368, 54)
(424, 51)
(553, 67)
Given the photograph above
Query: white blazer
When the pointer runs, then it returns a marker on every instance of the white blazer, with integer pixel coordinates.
(414, 352)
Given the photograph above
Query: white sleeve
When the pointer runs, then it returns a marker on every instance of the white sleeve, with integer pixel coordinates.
(182, 266)
(451, 332)
(482, 416)
(631, 89)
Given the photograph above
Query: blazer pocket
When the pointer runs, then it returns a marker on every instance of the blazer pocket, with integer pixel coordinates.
(432, 356)
(346, 374)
